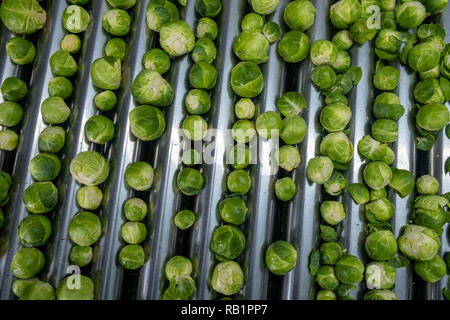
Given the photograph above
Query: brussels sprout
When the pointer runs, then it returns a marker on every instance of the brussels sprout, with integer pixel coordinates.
(430, 29)
(11, 114)
(385, 130)
(147, 123)
(271, 31)
(342, 40)
(35, 230)
(381, 245)
(195, 127)
(419, 243)
(184, 219)
(291, 104)
(116, 48)
(5, 184)
(233, 210)
(133, 232)
(330, 253)
(349, 269)
(54, 110)
(203, 75)
(247, 79)
(177, 38)
(8, 140)
(150, 87)
(380, 275)
(45, 167)
(264, 7)
(75, 19)
(208, 8)
(89, 168)
(239, 181)
(432, 270)
(287, 157)
(22, 16)
(105, 100)
(285, 189)
(60, 87)
(430, 202)
(326, 278)
(157, 60)
(81, 256)
(99, 129)
(377, 175)
(191, 157)
(33, 289)
(40, 197)
(132, 257)
(430, 218)
(281, 257)
(190, 181)
(89, 197)
(239, 157)
(197, 102)
(116, 22)
(380, 210)
(372, 149)
(252, 22)
(388, 43)
(106, 73)
(269, 124)
(324, 77)
(434, 6)
(344, 13)
(244, 109)
(300, 15)
(410, 15)
(139, 176)
(243, 131)
(379, 295)
(294, 46)
(402, 181)
(178, 267)
(121, 4)
(69, 291)
(427, 184)
(63, 64)
(387, 106)
(227, 278)
(336, 184)
(342, 62)
(135, 209)
(359, 193)
(337, 147)
(293, 130)
(423, 57)
(432, 117)
(228, 242)
(386, 78)
(323, 52)
(332, 212)
(27, 263)
(361, 31)
(207, 28)
(204, 51)
(20, 51)
(52, 139)
(429, 91)
(160, 13)
(326, 295)
(71, 43)
(335, 117)
(252, 46)
(180, 289)
(85, 228)
(14, 89)
(319, 169)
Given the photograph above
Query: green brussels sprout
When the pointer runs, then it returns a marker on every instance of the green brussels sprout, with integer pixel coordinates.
(342, 40)
(388, 41)
(335, 117)
(106, 73)
(116, 48)
(139, 176)
(135, 209)
(349, 269)
(269, 124)
(285, 189)
(252, 22)
(377, 175)
(208, 8)
(381, 245)
(105, 100)
(372, 149)
(116, 22)
(133, 232)
(319, 169)
(323, 77)
(40, 197)
(385, 130)
(342, 62)
(14, 89)
(419, 243)
(287, 157)
(233, 210)
(330, 253)
(45, 167)
(121, 4)
(239, 181)
(23, 16)
(11, 114)
(99, 129)
(8, 140)
(430, 202)
(195, 127)
(27, 263)
(291, 104)
(203, 75)
(67, 290)
(432, 270)
(5, 184)
(206, 28)
(63, 64)
(380, 275)
(430, 74)
(150, 87)
(227, 278)
(379, 295)
(157, 60)
(191, 157)
(71, 43)
(184, 219)
(429, 91)
(20, 50)
(178, 267)
(190, 181)
(85, 228)
(293, 130)
(197, 102)
(252, 46)
(147, 123)
(326, 295)
(323, 52)
(281, 257)
(132, 257)
(33, 289)
(427, 184)
(336, 184)
(332, 212)
(344, 13)
(300, 15)
(75, 19)
(264, 7)
(89, 168)
(243, 131)
(177, 38)
(432, 117)
(387, 106)
(386, 78)
(60, 87)
(228, 242)
(361, 31)
(2, 218)
(247, 79)
(204, 51)
(52, 139)
(429, 216)
(380, 210)
(423, 57)
(337, 147)
(326, 278)
(239, 157)
(430, 29)
(359, 193)
(435, 6)
(180, 289)
(54, 110)
(294, 46)
(160, 13)
(402, 181)
(89, 197)
(244, 109)
(272, 31)
(410, 15)
(81, 255)
(35, 230)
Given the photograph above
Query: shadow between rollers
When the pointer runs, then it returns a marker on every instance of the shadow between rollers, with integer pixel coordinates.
(165, 198)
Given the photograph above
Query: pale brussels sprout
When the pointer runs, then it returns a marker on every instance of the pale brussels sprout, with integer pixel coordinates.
(204, 50)
(323, 52)
(427, 184)
(66, 290)
(432, 117)
(22, 16)
(133, 232)
(54, 110)
(208, 8)
(197, 101)
(294, 46)
(419, 243)
(380, 275)
(342, 62)
(75, 19)
(380, 210)
(132, 257)
(147, 123)
(245, 108)
(139, 176)
(178, 267)
(89, 168)
(386, 78)
(272, 31)
(106, 73)
(116, 22)
(150, 87)
(380, 295)
(326, 295)
(264, 7)
(20, 51)
(207, 28)
(195, 127)
(300, 15)
(251, 46)
(247, 79)
(372, 149)
(71, 43)
(336, 184)
(227, 278)
(89, 197)
(157, 60)
(105, 100)
(8, 140)
(387, 5)
(377, 175)
(177, 38)
(332, 212)
(52, 139)
(291, 104)
(423, 57)
(252, 22)
(319, 169)
(342, 40)
(337, 147)
(287, 157)
(135, 209)
(410, 15)
(344, 13)
(335, 117)
(243, 131)
(85, 228)
(268, 124)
